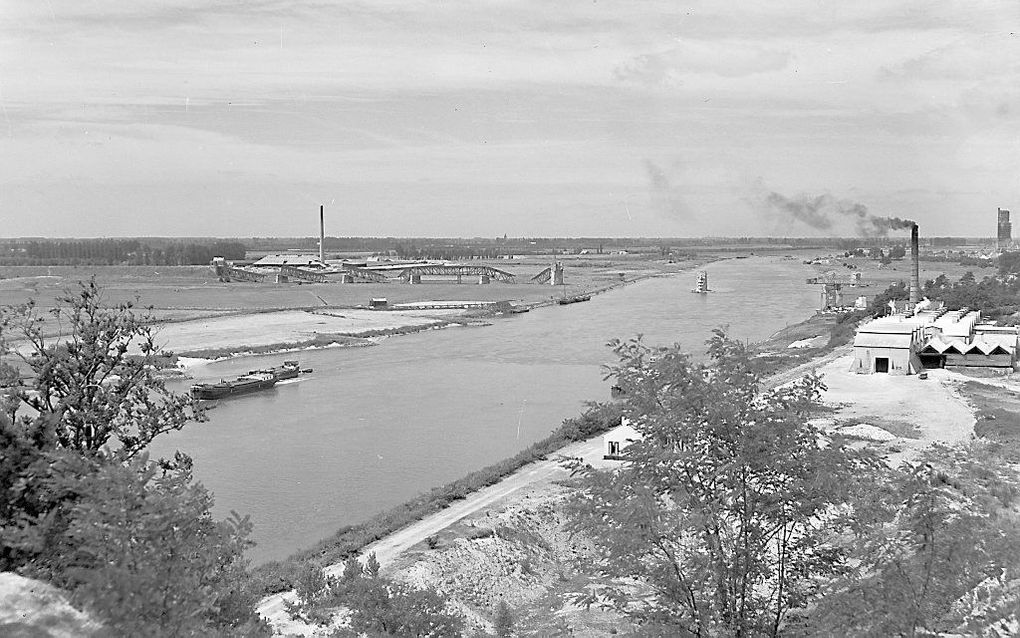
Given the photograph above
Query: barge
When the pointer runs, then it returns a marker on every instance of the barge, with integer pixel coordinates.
(241, 385)
(254, 381)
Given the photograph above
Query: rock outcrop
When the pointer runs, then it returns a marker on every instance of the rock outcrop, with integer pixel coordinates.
(34, 609)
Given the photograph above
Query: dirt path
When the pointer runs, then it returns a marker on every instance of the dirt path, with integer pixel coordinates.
(811, 366)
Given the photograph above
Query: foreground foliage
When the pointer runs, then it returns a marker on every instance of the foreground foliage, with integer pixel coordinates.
(81, 504)
(369, 604)
(736, 516)
(723, 508)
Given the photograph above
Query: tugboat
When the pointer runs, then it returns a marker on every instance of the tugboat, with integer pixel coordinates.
(701, 286)
(289, 370)
(241, 385)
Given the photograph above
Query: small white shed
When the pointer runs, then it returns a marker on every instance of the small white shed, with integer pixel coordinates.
(617, 439)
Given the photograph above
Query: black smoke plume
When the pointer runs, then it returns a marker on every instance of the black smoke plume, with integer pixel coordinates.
(666, 197)
(823, 212)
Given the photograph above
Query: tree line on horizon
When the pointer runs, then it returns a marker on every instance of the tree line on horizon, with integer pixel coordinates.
(117, 252)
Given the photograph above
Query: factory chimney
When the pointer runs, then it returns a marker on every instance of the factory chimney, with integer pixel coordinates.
(915, 278)
(322, 236)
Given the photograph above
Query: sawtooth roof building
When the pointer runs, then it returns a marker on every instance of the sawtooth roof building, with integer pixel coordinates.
(938, 338)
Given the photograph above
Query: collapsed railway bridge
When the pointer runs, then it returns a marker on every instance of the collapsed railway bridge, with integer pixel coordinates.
(414, 273)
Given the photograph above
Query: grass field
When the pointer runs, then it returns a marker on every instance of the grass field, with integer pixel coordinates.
(190, 300)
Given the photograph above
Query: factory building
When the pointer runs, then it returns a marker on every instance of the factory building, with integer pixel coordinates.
(937, 338)
(888, 347)
(295, 260)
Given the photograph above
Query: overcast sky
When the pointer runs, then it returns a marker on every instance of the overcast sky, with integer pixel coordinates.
(524, 117)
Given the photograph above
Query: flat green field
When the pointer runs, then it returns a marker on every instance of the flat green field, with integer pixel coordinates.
(186, 293)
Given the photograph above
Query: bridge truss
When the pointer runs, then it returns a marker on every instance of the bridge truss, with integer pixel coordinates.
(457, 270)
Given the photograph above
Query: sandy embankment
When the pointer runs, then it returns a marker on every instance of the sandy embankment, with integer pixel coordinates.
(916, 411)
(218, 336)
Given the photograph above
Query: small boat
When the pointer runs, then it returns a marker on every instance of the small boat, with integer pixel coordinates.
(575, 299)
(241, 385)
(701, 285)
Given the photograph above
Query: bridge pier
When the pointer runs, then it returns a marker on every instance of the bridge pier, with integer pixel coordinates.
(483, 279)
(415, 278)
(557, 278)
(460, 279)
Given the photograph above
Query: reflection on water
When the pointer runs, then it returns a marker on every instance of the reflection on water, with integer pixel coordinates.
(372, 427)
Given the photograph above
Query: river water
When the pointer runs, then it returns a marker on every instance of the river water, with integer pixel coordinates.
(375, 426)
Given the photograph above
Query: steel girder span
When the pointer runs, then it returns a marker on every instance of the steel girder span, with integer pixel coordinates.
(436, 269)
(300, 273)
(543, 276)
(229, 273)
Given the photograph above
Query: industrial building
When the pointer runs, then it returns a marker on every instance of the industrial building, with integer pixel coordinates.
(887, 347)
(296, 261)
(928, 337)
(938, 338)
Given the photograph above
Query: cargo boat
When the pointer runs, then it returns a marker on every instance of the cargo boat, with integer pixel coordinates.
(241, 385)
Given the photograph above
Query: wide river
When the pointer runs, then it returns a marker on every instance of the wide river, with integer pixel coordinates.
(372, 427)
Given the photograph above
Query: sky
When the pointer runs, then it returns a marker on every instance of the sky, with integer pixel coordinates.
(238, 118)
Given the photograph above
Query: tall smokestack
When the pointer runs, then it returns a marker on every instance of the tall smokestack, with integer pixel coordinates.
(322, 236)
(915, 277)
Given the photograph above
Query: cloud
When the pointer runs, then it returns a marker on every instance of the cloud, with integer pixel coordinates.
(723, 59)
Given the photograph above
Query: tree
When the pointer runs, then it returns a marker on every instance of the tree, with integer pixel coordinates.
(144, 552)
(96, 384)
(375, 606)
(1009, 263)
(81, 504)
(724, 510)
(945, 541)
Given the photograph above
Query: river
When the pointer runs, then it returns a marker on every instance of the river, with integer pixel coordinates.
(372, 427)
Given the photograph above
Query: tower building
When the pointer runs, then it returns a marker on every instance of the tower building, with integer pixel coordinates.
(1005, 235)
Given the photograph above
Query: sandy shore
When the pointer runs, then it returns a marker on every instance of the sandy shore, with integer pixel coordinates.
(218, 336)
